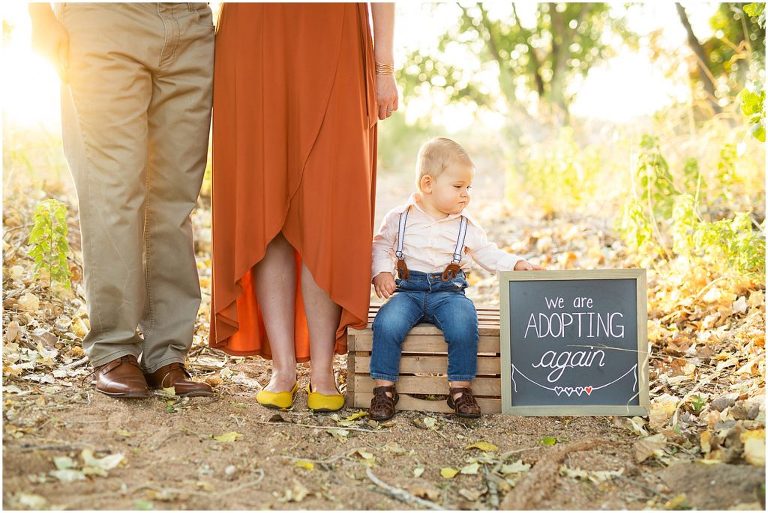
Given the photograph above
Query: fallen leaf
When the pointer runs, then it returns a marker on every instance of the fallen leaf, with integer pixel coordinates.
(516, 467)
(305, 464)
(662, 409)
(31, 501)
(368, 457)
(548, 441)
(470, 469)
(79, 328)
(448, 472)
(64, 462)
(12, 332)
(418, 471)
(68, 475)
(677, 502)
(650, 446)
(754, 447)
(339, 434)
(739, 306)
(164, 495)
(357, 415)
(430, 422)
(29, 303)
(483, 446)
(596, 476)
(637, 426)
(231, 436)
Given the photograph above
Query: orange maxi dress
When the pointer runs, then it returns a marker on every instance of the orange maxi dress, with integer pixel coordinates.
(294, 150)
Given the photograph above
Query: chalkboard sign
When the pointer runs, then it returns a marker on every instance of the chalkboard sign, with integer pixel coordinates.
(574, 342)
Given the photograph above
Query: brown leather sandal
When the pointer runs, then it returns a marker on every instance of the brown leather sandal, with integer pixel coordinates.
(382, 406)
(465, 405)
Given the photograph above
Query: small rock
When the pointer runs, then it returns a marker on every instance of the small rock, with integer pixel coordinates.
(753, 411)
(722, 402)
(739, 411)
(230, 471)
(725, 425)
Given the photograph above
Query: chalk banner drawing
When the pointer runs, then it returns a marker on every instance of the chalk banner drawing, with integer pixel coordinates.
(574, 342)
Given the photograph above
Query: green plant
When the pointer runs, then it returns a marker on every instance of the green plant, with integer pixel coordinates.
(48, 239)
(660, 220)
(752, 106)
(698, 403)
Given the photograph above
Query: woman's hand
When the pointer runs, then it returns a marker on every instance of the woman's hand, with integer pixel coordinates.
(384, 284)
(386, 96)
(49, 37)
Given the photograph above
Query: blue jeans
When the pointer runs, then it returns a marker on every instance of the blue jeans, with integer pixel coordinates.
(426, 297)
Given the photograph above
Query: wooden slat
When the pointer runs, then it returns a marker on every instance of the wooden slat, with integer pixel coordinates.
(430, 385)
(431, 329)
(423, 344)
(406, 402)
(423, 364)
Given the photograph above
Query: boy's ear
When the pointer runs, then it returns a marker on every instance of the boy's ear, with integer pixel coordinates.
(426, 182)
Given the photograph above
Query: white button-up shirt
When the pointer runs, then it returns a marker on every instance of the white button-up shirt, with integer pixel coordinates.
(429, 243)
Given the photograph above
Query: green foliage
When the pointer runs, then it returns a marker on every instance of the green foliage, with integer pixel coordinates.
(735, 241)
(698, 403)
(752, 106)
(566, 41)
(656, 187)
(660, 220)
(737, 39)
(48, 239)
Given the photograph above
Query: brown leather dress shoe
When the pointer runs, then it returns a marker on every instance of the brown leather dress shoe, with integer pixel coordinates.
(383, 406)
(176, 376)
(465, 405)
(122, 377)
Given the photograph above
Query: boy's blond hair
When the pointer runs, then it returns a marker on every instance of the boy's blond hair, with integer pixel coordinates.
(437, 154)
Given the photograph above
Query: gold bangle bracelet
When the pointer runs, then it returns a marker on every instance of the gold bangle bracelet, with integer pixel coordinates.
(385, 69)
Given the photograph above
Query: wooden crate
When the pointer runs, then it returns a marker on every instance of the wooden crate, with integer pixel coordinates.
(423, 366)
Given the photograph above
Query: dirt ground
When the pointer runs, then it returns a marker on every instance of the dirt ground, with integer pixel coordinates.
(172, 461)
(68, 447)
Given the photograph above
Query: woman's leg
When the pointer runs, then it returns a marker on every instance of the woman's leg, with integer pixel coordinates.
(275, 288)
(322, 320)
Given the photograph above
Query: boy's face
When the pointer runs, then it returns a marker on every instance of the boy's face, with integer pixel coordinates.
(450, 192)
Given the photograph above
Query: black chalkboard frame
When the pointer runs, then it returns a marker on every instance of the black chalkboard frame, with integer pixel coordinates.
(643, 349)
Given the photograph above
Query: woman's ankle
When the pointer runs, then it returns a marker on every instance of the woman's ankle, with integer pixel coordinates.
(281, 380)
(323, 382)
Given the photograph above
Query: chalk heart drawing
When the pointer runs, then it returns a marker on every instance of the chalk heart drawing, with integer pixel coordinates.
(573, 390)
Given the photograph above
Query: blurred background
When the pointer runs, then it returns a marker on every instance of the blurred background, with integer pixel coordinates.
(645, 119)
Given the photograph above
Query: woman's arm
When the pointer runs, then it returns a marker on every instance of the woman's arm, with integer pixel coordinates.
(383, 30)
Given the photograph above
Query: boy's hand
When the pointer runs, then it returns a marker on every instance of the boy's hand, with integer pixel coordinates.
(524, 265)
(384, 284)
(49, 37)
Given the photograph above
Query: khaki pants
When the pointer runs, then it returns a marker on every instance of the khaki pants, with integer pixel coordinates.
(136, 116)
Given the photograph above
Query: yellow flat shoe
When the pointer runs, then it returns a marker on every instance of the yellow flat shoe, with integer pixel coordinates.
(281, 400)
(323, 403)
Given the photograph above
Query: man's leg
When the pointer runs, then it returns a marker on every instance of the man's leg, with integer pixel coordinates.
(104, 118)
(179, 124)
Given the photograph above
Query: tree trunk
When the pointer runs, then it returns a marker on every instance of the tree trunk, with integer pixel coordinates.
(702, 60)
